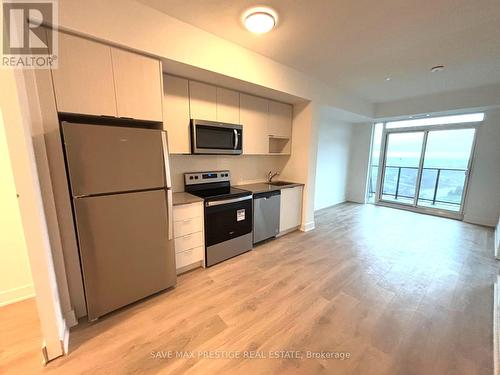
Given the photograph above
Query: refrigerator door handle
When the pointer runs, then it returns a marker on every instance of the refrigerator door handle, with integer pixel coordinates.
(170, 213)
(166, 159)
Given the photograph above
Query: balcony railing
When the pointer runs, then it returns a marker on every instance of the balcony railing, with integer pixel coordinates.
(402, 183)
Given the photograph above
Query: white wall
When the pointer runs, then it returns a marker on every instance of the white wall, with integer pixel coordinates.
(18, 120)
(244, 168)
(301, 165)
(15, 275)
(482, 205)
(359, 160)
(332, 165)
(454, 101)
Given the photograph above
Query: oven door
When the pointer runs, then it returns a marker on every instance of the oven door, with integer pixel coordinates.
(228, 228)
(208, 137)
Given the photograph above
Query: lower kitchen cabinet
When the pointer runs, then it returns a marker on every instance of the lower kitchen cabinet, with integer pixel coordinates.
(290, 208)
(189, 236)
(189, 259)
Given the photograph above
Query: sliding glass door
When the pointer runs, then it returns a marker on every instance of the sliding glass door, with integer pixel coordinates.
(426, 168)
(402, 161)
(445, 169)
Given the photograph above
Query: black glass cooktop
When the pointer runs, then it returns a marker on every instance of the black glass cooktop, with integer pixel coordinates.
(220, 193)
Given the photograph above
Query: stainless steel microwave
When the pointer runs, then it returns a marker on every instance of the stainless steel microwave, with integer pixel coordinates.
(211, 137)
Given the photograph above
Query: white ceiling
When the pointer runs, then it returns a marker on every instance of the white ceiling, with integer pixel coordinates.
(355, 45)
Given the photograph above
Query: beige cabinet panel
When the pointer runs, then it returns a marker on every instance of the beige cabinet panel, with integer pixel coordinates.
(176, 113)
(83, 81)
(188, 257)
(138, 85)
(189, 235)
(254, 118)
(228, 106)
(280, 119)
(290, 208)
(203, 101)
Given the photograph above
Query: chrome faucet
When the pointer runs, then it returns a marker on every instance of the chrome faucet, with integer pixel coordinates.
(271, 175)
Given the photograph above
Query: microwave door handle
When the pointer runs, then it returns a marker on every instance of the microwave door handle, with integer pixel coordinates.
(236, 139)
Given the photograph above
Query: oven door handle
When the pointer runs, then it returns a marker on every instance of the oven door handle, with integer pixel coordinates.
(226, 201)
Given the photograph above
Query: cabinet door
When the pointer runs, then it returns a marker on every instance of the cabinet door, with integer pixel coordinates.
(138, 85)
(83, 81)
(228, 106)
(290, 208)
(254, 115)
(176, 113)
(280, 119)
(202, 100)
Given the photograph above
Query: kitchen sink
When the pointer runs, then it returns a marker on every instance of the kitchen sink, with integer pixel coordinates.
(280, 183)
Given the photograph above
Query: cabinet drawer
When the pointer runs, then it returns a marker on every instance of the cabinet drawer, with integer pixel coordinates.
(188, 257)
(188, 242)
(188, 226)
(188, 211)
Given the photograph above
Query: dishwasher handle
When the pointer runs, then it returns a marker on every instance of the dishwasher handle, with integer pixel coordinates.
(266, 194)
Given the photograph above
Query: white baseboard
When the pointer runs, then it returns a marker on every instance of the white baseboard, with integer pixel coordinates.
(356, 200)
(16, 294)
(307, 226)
(484, 221)
(189, 267)
(280, 234)
(331, 206)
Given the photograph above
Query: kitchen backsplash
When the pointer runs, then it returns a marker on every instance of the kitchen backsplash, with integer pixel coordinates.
(243, 168)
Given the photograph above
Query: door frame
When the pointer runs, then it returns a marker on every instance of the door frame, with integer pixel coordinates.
(426, 129)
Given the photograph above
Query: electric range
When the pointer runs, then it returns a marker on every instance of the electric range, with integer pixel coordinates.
(228, 214)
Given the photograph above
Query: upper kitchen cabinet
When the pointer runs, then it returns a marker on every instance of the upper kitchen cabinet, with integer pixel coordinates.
(203, 101)
(138, 85)
(83, 81)
(95, 79)
(279, 128)
(176, 113)
(280, 119)
(254, 118)
(228, 106)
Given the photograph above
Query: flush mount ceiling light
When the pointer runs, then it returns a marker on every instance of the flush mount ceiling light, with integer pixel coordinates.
(437, 68)
(260, 20)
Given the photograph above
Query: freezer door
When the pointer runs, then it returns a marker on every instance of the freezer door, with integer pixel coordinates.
(124, 247)
(108, 159)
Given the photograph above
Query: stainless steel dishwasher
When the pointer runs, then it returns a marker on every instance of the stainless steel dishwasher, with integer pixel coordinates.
(266, 215)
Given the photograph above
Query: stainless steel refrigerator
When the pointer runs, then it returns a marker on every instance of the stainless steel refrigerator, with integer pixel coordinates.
(122, 200)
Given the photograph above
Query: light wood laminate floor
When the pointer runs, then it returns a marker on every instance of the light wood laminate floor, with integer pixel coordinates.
(403, 293)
